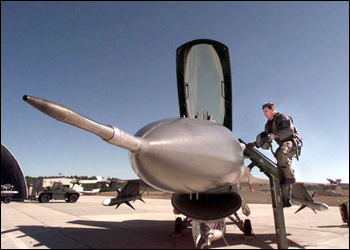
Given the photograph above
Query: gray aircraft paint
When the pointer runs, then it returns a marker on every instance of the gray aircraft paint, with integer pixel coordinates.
(181, 155)
(187, 155)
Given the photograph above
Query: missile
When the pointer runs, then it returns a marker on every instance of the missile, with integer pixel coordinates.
(123, 200)
(108, 133)
(311, 204)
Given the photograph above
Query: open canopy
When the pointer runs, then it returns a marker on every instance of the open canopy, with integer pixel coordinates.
(204, 81)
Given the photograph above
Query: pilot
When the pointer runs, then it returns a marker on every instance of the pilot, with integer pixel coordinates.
(279, 127)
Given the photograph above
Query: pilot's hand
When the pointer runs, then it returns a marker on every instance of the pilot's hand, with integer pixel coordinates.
(273, 136)
(251, 144)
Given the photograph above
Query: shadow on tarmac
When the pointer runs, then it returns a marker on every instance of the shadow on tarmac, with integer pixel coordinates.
(138, 234)
(335, 226)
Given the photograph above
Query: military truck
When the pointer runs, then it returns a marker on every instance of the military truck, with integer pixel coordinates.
(57, 191)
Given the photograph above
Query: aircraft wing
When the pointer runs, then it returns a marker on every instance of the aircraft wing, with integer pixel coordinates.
(300, 192)
(132, 188)
(130, 192)
(126, 181)
(301, 196)
(261, 188)
(331, 181)
(112, 185)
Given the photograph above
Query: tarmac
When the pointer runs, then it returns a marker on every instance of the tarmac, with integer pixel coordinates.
(87, 224)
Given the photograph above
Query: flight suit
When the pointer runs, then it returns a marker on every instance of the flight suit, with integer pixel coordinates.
(282, 126)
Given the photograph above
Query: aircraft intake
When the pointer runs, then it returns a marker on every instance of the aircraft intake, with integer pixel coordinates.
(208, 207)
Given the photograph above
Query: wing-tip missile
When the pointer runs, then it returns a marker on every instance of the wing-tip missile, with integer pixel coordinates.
(107, 202)
(118, 202)
(108, 133)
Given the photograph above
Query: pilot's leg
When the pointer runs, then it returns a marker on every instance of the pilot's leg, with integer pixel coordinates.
(284, 155)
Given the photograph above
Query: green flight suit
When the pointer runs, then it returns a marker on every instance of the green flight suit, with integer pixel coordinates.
(282, 126)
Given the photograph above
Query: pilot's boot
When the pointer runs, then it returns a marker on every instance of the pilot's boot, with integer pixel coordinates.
(286, 187)
(286, 194)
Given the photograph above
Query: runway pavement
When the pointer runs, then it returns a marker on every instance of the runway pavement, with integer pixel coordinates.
(87, 224)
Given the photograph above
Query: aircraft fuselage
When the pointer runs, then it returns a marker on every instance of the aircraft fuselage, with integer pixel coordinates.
(187, 155)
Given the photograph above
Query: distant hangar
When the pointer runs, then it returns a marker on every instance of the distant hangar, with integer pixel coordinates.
(11, 173)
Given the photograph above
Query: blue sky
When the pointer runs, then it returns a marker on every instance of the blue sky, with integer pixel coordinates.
(115, 63)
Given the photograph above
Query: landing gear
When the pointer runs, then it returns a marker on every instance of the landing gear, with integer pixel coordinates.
(205, 231)
(180, 226)
(206, 245)
(248, 230)
(245, 227)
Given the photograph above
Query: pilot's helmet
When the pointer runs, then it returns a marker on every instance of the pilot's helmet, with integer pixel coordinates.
(263, 140)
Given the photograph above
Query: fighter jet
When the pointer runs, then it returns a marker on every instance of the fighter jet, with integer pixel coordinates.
(196, 157)
(92, 192)
(333, 189)
(99, 179)
(337, 182)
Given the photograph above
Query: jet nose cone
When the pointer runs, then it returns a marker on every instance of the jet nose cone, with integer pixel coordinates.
(31, 99)
(49, 108)
(61, 113)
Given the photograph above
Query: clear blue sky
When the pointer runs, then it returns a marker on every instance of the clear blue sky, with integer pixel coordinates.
(115, 63)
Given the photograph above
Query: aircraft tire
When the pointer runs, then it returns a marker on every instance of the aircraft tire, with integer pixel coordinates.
(178, 226)
(248, 230)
